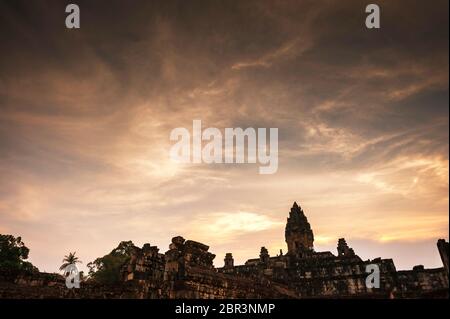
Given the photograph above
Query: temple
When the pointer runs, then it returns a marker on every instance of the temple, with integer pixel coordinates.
(186, 270)
(306, 273)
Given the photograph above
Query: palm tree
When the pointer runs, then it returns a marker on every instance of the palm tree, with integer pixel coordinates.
(70, 259)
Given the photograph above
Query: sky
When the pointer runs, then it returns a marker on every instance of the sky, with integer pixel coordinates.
(362, 118)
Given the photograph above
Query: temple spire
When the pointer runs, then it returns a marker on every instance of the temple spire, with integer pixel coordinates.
(299, 235)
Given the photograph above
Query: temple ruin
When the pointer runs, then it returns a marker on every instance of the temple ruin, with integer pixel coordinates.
(186, 270)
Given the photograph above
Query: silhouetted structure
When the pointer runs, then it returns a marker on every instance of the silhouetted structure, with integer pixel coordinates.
(186, 271)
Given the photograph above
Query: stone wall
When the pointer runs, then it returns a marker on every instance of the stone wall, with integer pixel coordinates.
(46, 285)
(422, 282)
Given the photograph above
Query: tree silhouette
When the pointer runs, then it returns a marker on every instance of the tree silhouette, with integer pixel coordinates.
(107, 269)
(69, 259)
(13, 253)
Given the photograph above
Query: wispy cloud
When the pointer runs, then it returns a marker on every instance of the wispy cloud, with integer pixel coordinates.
(85, 122)
(291, 49)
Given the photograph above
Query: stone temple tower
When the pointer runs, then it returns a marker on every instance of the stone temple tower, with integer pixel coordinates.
(298, 233)
(444, 252)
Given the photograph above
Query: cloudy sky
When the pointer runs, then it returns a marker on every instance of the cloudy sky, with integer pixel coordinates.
(85, 119)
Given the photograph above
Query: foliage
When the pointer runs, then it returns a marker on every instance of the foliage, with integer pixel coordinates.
(106, 269)
(69, 260)
(13, 253)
